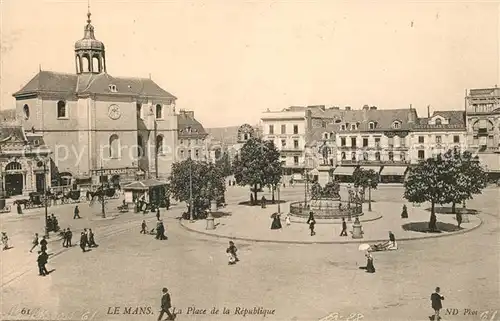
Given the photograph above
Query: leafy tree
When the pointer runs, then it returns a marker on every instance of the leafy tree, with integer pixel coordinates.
(331, 190)
(207, 183)
(429, 181)
(468, 176)
(364, 179)
(258, 164)
(224, 163)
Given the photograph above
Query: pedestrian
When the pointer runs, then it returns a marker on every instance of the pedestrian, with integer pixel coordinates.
(392, 239)
(168, 203)
(35, 242)
(143, 227)
(86, 236)
(43, 244)
(42, 260)
(459, 219)
(344, 228)
(436, 299)
(158, 214)
(19, 209)
(287, 220)
(77, 212)
(5, 241)
(311, 221)
(162, 231)
(158, 229)
(55, 223)
(166, 305)
(70, 238)
(83, 241)
(232, 250)
(91, 240)
(370, 268)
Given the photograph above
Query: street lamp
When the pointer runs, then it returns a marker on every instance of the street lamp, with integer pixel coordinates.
(369, 195)
(43, 163)
(279, 201)
(191, 218)
(103, 209)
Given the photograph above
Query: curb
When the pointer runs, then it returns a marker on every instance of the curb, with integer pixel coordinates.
(329, 242)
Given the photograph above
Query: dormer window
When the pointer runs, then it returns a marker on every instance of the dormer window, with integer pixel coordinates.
(325, 135)
(188, 129)
(438, 121)
(371, 125)
(112, 88)
(396, 125)
(343, 127)
(353, 126)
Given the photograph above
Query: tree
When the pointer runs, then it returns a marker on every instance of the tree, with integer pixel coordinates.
(257, 165)
(316, 191)
(331, 190)
(207, 183)
(224, 163)
(468, 177)
(429, 181)
(364, 179)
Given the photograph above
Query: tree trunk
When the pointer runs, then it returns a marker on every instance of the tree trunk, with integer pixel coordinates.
(255, 193)
(454, 208)
(363, 195)
(274, 189)
(433, 219)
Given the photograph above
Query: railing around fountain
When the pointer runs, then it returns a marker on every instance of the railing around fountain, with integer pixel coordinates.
(324, 210)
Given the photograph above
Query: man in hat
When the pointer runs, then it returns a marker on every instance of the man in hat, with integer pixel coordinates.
(165, 306)
(77, 212)
(83, 241)
(436, 299)
(35, 242)
(42, 260)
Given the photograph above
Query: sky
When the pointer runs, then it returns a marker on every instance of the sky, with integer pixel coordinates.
(231, 60)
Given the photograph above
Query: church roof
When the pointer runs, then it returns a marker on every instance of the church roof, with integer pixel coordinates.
(54, 82)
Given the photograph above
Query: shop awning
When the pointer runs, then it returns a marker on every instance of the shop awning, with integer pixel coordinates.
(376, 169)
(144, 184)
(346, 171)
(394, 171)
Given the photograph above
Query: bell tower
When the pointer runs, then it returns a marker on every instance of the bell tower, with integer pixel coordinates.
(89, 52)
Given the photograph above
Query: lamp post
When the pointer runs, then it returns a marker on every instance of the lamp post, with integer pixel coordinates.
(191, 218)
(43, 163)
(369, 195)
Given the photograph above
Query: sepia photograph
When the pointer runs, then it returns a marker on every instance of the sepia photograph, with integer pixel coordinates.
(220, 160)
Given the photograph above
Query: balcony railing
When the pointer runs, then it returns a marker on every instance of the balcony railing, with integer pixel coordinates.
(374, 162)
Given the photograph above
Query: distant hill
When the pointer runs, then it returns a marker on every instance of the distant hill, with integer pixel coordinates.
(8, 115)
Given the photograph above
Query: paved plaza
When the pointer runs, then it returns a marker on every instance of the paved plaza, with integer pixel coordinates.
(288, 281)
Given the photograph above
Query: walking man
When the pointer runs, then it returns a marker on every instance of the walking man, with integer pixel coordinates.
(143, 227)
(344, 228)
(91, 240)
(42, 260)
(436, 299)
(43, 244)
(165, 306)
(86, 237)
(83, 241)
(158, 214)
(35, 242)
(77, 213)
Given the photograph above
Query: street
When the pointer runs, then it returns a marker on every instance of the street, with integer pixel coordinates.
(123, 277)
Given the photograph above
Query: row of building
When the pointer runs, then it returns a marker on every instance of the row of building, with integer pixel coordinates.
(323, 139)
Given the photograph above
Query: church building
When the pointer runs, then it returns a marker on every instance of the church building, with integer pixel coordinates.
(99, 126)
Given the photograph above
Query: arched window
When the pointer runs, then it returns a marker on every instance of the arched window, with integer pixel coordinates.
(353, 156)
(391, 156)
(365, 156)
(159, 144)
(218, 154)
(114, 146)
(396, 125)
(403, 156)
(325, 135)
(371, 125)
(342, 155)
(377, 156)
(438, 121)
(78, 64)
(159, 111)
(13, 166)
(26, 110)
(245, 136)
(61, 109)
(86, 63)
(140, 146)
(96, 66)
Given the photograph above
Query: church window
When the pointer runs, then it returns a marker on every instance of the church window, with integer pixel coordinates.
(26, 110)
(86, 63)
(159, 144)
(61, 109)
(114, 146)
(159, 111)
(95, 64)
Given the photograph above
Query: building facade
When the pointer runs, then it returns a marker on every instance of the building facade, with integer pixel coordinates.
(25, 164)
(192, 138)
(483, 128)
(97, 125)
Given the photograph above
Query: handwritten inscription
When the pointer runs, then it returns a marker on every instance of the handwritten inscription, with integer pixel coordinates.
(334, 316)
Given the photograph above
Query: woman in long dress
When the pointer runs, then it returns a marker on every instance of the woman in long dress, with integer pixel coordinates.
(276, 225)
(370, 268)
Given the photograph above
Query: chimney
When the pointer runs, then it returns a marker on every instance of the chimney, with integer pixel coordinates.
(308, 120)
(366, 107)
(335, 108)
(411, 116)
(347, 107)
(373, 108)
(428, 111)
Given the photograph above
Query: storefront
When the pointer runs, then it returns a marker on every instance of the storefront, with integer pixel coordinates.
(149, 190)
(115, 176)
(343, 174)
(393, 174)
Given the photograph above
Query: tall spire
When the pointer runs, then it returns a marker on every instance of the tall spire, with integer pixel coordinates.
(88, 12)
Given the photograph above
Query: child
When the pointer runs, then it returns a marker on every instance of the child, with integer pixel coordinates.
(5, 241)
(231, 251)
(287, 220)
(436, 299)
(311, 223)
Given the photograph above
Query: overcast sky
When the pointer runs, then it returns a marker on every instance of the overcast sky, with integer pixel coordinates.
(230, 60)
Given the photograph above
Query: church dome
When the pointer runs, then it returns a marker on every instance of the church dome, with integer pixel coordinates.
(89, 42)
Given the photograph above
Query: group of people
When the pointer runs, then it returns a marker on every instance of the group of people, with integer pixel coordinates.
(52, 223)
(87, 240)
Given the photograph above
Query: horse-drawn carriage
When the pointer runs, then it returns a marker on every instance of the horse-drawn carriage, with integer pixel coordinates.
(102, 192)
(73, 196)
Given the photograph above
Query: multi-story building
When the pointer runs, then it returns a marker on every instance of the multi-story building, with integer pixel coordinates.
(438, 133)
(287, 129)
(192, 137)
(97, 125)
(483, 127)
(25, 166)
